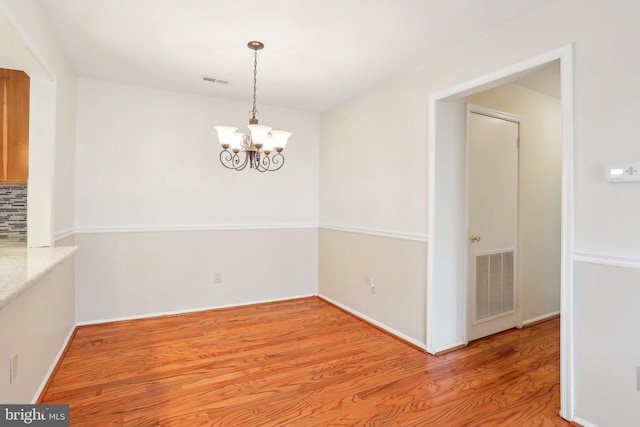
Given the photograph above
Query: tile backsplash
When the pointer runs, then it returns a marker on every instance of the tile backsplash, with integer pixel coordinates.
(13, 214)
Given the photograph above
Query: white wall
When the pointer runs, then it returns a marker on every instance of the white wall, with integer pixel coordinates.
(386, 131)
(349, 261)
(35, 327)
(129, 275)
(372, 166)
(540, 160)
(31, 25)
(606, 339)
(149, 158)
(37, 324)
(370, 181)
(64, 166)
(147, 163)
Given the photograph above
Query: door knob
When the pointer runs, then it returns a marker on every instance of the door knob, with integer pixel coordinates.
(474, 238)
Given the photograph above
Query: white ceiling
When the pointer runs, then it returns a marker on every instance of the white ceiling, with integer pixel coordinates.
(545, 80)
(14, 54)
(318, 53)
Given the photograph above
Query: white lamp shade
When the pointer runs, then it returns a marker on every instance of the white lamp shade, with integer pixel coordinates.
(280, 138)
(236, 141)
(259, 133)
(268, 144)
(225, 133)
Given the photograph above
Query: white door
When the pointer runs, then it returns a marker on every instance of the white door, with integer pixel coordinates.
(493, 222)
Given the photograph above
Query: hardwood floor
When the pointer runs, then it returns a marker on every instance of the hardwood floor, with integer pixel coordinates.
(300, 363)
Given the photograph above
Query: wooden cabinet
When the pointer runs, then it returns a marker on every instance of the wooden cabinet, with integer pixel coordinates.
(14, 135)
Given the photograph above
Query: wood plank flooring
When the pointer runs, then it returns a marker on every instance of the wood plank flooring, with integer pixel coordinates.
(300, 363)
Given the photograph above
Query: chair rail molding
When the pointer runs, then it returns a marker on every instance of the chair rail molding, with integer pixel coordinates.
(178, 228)
(401, 235)
(602, 258)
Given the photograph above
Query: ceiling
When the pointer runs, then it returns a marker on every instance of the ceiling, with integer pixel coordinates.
(546, 80)
(317, 53)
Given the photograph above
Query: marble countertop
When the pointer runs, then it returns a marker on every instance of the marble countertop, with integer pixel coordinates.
(21, 268)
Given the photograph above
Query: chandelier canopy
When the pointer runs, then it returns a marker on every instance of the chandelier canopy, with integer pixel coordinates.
(258, 147)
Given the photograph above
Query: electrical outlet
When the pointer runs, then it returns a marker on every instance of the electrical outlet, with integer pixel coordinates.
(13, 368)
(217, 277)
(372, 285)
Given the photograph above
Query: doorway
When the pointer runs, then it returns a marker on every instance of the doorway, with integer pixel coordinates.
(446, 308)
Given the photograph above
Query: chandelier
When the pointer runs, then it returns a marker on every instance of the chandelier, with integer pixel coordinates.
(258, 148)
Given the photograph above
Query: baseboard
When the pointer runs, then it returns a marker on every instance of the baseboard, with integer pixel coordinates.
(187, 311)
(582, 423)
(54, 365)
(448, 348)
(544, 317)
(382, 326)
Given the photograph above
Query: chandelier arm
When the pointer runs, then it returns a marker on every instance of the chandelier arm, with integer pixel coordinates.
(256, 161)
(226, 158)
(240, 166)
(232, 160)
(263, 163)
(277, 161)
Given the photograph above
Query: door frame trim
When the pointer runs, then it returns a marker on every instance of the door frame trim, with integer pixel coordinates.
(437, 292)
(500, 115)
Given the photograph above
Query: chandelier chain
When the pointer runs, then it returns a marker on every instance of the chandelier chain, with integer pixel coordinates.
(255, 82)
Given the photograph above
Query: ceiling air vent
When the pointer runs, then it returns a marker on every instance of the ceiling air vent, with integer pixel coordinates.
(214, 80)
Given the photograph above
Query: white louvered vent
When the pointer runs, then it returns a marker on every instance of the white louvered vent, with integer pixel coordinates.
(494, 284)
